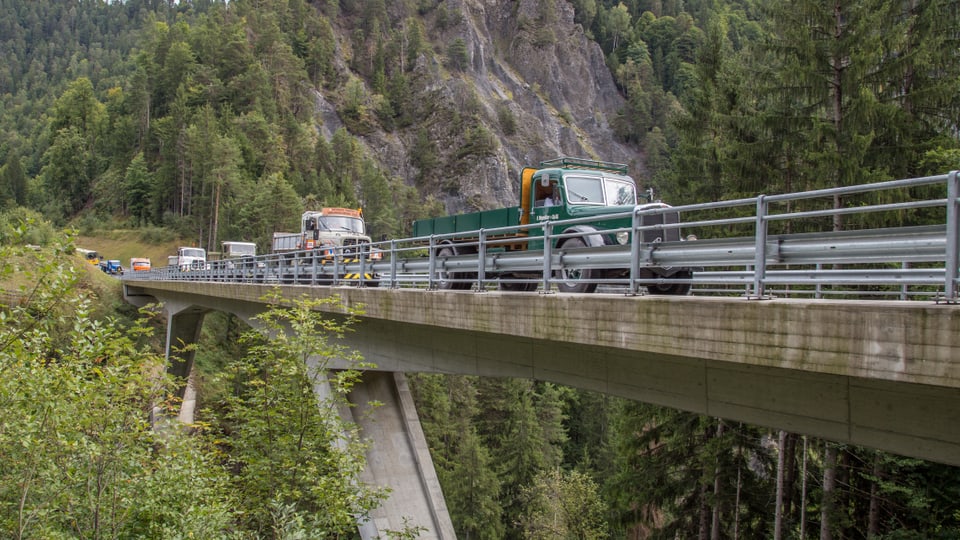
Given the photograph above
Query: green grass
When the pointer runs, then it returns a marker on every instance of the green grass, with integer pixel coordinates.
(125, 244)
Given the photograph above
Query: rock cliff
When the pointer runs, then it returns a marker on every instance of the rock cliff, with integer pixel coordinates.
(532, 87)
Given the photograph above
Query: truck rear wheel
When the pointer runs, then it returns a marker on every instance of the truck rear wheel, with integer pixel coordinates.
(672, 289)
(526, 286)
(575, 281)
(444, 279)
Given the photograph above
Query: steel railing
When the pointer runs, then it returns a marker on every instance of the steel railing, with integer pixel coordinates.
(782, 245)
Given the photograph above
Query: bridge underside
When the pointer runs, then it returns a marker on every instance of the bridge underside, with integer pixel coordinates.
(903, 418)
(872, 373)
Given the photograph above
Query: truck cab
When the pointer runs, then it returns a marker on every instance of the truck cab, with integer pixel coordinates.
(338, 231)
(331, 227)
(191, 258)
(558, 193)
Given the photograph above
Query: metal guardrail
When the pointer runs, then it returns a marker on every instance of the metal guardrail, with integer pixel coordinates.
(783, 245)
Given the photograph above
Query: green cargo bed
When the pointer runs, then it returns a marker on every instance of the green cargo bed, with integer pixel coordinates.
(488, 219)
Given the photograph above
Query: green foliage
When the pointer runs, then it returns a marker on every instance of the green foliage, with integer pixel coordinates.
(81, 458)
(563, 505)
(13, 182)
(464, 464)
(479, 142)
(457, 55)
(286, 446)
(22, 226)
(506, 118)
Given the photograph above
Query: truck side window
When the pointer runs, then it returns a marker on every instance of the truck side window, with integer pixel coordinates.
(547, 196)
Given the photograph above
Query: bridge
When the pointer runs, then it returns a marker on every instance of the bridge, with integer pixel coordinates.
(850, 336)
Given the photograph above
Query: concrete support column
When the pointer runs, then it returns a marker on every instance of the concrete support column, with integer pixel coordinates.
(398, 458)
(183, 330)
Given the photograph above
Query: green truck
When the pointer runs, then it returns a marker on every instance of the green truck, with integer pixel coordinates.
(560, 189)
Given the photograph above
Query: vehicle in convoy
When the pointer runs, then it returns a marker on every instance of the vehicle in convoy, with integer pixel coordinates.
(339, 235)
(235, 250)
(189, 258)
(239, 254)
(559, 189)
(326, 229)
(112, 267)
(90, 255)
(139, 264)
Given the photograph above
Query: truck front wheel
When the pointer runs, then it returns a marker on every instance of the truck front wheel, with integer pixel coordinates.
(575, 280)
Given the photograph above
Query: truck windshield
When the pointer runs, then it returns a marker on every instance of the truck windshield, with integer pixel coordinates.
(194, 252)
(594, 190)
(342, 223)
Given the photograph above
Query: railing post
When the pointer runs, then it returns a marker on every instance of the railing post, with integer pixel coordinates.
(953, 237)
(635, 243)
(393, 264)
(481, 260)
(432, 266)
(337, 259)
(818, 294)
(760, 248)
(363, 260)
(547, 255)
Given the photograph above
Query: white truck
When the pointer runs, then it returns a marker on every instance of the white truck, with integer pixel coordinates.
(234, 250)
(188, 258)
(239, 255)
(326, 229)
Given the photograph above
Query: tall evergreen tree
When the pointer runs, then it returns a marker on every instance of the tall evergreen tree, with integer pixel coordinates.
(14, 181)
(448, 405)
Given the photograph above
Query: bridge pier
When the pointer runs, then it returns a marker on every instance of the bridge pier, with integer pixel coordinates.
(398, 457)
(184, 323)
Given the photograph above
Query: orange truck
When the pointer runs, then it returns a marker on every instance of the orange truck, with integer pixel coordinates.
(139, 264)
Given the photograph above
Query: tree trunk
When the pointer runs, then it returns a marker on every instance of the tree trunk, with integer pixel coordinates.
(704, 532)
(715, 523)
(829, 489)
(778, 505)
(803, 492)
(873, 518)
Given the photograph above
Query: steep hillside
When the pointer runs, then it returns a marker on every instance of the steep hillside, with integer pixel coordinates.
(532, 87)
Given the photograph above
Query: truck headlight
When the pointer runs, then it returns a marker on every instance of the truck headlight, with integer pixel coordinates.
(623, 237)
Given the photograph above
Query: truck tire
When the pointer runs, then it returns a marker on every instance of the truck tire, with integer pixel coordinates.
(575, 281)
(517, 287)
(443, 279)
(672, 289)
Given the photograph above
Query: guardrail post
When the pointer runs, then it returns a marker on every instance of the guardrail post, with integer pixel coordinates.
(481, 260)
(363, 260)
(393, 264)
(432, 266)
(337, 260)
(547, 256)
(953, 237)
(760, 248)
(635, 243)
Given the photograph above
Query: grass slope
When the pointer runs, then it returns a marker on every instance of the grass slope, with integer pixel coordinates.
(125, 244)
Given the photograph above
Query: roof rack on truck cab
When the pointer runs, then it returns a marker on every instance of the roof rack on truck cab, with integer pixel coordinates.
(581, 163)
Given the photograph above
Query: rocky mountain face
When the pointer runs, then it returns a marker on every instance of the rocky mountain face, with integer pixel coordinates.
(532, 87)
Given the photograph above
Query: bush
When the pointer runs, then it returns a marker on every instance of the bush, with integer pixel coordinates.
(36, 230)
